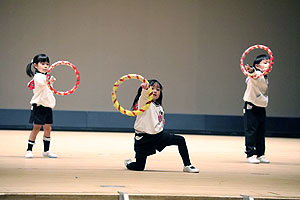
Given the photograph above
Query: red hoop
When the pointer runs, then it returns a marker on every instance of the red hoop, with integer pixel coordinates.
(258, 46)
(67, 63)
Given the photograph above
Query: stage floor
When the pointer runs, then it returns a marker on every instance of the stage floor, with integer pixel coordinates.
(92, 163)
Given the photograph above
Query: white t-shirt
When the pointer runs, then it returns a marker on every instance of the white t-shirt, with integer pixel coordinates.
(256, 91)
(152, 120)
(42, 95)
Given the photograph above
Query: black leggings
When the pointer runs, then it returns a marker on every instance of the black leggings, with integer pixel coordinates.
(178, 140)
(255, 129)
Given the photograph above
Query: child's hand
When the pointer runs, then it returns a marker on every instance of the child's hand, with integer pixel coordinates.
(52, 79)
(248, 68)
(144, 86)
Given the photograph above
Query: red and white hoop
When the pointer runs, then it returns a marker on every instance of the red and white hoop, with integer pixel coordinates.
(258, 46)
(67, 63)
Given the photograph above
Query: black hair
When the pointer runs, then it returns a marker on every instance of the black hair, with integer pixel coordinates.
(151, 83)
(259, 58)
(38, 58)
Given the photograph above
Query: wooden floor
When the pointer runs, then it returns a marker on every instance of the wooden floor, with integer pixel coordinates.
(91, 163)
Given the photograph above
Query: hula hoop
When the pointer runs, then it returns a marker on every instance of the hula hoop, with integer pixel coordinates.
(258, 46)
(67, 63)
(116, 103)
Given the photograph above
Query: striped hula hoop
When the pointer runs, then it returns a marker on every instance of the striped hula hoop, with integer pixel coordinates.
(67, 63)
(258, 46)
(116, 103)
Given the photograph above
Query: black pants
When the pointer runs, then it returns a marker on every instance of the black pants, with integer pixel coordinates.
(255, 128)
(178, 140)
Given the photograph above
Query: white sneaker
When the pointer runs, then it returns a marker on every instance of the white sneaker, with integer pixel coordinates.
(263, 159)
(190, 169)
(49, 154)
(127, 161)
(253, 160)
(28, 154)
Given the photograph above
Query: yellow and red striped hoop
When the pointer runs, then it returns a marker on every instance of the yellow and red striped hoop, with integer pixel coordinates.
(116, 103)
(67, 63)
(258, 46)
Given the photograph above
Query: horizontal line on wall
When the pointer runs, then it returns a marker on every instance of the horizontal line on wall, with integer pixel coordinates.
(17, 119)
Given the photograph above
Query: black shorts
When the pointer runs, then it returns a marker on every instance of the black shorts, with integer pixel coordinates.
(41, 115)
(147, 144)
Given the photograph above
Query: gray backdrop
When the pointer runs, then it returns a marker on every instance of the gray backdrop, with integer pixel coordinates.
(192, 47)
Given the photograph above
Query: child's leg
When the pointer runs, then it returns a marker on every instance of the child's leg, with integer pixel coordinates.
(47, 137)
(139, 165)
(32, 136)
(250, 127)
(260, 142)
(183, 151)
(46, 140)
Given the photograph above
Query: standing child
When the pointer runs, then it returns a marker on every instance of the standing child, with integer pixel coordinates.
(149, 134)
(42, 103)
(256, 101)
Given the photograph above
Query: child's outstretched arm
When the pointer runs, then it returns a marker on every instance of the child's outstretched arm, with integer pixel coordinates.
(41, 80)
(144, 86)
(144, 95)
(249, 69)
(252, 71)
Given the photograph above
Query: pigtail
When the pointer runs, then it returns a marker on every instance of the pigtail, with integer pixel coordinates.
(29, 71)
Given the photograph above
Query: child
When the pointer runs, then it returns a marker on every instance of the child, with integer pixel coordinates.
(256, 101)
(42, 103)
(149, 135)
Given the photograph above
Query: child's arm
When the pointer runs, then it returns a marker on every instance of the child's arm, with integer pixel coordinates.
(252, 71)
(40, 80)
(249, 69)
(144, 95)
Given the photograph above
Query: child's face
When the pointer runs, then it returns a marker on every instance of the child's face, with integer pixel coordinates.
(42, 66)
(156, 91)
(263, 65)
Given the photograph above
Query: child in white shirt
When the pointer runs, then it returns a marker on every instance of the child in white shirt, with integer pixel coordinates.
(149, 134)
(43, 101)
